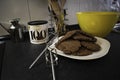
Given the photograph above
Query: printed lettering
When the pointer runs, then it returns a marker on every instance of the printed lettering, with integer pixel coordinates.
(38, 35)
(44, 34)
(32, 34)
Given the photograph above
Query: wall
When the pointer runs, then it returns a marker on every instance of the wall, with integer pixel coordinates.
(37, 9)
(25, 9)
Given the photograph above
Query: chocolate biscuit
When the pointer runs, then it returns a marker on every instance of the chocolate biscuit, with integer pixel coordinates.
(66, 36)
(69, 46)
(91, 46)
(83, 52)
(82, 37)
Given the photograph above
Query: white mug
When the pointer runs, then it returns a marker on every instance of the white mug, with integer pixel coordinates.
(38, 31)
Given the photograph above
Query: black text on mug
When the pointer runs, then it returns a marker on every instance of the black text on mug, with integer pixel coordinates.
(38, 35)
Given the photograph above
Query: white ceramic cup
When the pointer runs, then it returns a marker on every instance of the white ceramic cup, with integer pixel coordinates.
(38, 31)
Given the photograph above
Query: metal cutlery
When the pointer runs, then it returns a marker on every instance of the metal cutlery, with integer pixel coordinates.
(52, 60)
(47, 45)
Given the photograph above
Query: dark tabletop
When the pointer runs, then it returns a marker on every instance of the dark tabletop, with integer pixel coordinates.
(19, 56)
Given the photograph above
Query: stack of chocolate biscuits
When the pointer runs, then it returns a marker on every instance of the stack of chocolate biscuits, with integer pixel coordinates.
(77, 42)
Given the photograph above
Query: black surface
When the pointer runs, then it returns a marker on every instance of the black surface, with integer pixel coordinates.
(19, 56)
(5, 37)
(2, 47)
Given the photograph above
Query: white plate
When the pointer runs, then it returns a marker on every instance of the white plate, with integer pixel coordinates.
(105, 46)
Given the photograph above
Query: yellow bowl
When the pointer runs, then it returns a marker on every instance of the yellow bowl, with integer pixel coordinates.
(97, 23)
